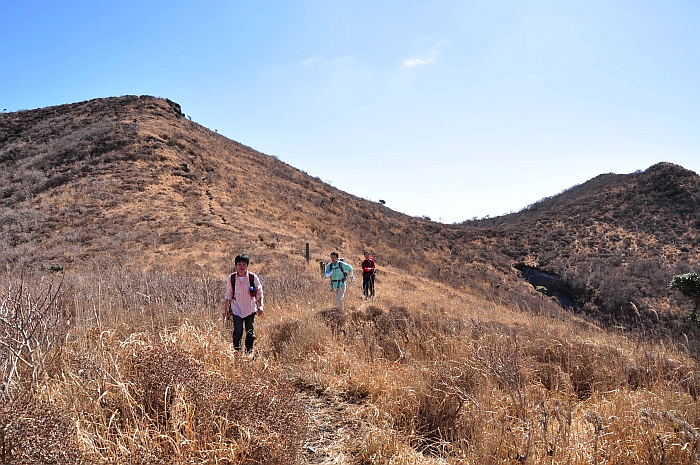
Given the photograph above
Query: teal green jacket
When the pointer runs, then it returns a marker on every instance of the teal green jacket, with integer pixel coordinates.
(335, 273)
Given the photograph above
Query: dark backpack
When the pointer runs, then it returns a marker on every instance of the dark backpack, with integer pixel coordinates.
(340, 265)
(252, 290)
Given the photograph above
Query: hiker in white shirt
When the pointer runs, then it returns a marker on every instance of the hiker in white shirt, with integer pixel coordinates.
(244, 299)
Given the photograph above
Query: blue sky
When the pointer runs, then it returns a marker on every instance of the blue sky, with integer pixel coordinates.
(448, 109)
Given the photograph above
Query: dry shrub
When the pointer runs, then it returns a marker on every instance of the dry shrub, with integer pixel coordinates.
(293, 340)
(593, 367)
(623, 427)
(433, 407)
(37, 432)
(288, 283)
(677, 441)
(553, 377)
(282, 335)
(258, 415)
(440, 405)
(581, 365)
(403, 335)
(377, 449)
(358, 389)
(137, 300)
(34, 321)
(334, 318)
(658, 367)
(387, 447)
(397, 322)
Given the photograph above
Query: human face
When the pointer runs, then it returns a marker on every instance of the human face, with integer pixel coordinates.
(334, 258)
(241, 268)
(366, 255)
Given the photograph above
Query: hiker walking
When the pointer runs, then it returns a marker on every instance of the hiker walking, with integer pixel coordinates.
(369, 269)
(244, 299)
(338, 272)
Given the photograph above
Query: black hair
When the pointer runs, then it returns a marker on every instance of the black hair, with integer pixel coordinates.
(334, 253)
(242, 258)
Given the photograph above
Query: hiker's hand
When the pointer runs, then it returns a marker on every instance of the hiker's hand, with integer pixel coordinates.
(260, 311)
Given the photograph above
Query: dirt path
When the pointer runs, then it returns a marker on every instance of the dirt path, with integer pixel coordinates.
(335, 426)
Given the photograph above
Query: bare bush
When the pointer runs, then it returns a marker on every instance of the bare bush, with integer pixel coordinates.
(33, 324)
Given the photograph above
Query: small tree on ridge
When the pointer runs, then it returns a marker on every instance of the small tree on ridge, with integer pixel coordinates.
(689, 285)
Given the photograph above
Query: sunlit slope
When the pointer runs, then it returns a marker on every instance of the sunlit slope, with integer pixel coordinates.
(132, 176)
(132, 179)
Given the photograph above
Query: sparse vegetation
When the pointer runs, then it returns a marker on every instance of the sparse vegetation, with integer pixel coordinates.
(118, 223)
(614, 242)
(149, 377)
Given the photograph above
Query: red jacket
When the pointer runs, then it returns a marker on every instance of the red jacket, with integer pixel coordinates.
(368, 267)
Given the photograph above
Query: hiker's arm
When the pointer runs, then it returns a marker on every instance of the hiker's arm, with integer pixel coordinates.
(228, 296)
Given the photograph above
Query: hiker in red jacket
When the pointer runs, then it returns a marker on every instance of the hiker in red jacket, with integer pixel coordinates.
(369, 269)
(244, 299)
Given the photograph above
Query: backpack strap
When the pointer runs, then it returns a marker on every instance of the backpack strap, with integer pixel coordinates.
(251, 276)
(339, 263)
(253, 291)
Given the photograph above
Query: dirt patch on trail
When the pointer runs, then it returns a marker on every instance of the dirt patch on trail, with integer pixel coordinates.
(335, 426)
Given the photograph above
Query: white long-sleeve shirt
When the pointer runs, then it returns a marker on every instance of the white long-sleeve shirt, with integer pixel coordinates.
(244, 304)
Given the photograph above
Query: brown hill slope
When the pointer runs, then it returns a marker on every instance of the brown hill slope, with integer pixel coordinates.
(131, 179)
(128, 361)
(615, 241)
(131, 176)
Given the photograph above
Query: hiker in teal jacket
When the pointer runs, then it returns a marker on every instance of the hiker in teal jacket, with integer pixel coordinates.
(338, 272)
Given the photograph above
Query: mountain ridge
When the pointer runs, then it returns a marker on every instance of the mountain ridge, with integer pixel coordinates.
(132, 179)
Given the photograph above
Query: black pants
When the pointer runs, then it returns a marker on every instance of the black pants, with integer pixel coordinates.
(249, 322)
(368, 286)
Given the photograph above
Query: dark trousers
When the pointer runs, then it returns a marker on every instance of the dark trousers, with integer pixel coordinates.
(238, 323)
(368, 286)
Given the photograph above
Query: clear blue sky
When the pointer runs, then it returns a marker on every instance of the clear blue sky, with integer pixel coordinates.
(449, 109)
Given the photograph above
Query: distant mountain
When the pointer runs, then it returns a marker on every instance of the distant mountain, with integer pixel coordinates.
(133, 180)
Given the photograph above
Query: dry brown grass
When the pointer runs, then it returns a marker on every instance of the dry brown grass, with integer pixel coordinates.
(422, 374)
(474, 381)
(124, 359)
(456, 361)
(131, 180)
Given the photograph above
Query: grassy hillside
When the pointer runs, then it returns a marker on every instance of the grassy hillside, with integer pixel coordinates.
(615, 241)
(132, 175)
(121, 356)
